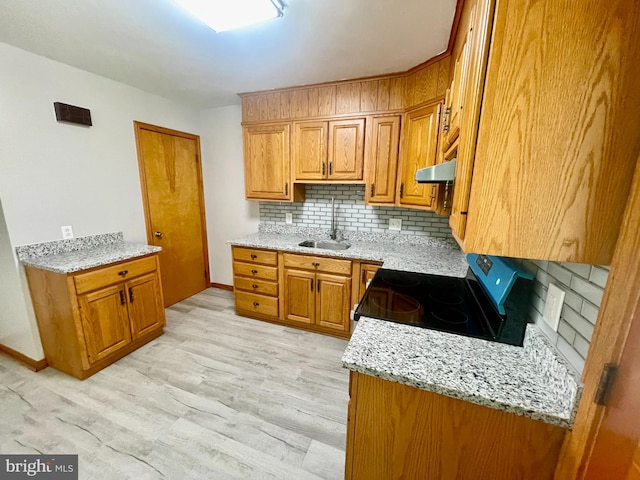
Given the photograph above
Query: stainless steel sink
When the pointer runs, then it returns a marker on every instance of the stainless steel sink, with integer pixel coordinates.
(325, 245)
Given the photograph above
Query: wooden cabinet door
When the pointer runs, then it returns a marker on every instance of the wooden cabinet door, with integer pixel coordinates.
(346, 149)
(333, 301)
(310, 150)
(367, 272)
(105, 321)
(299, 296)
(266, 162)
(419, 148)
(146, 312)
(381, 152)
(459, 86)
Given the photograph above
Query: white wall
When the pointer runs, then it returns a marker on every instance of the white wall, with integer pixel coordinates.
(229, 214)
(54, 174)
(18, 329)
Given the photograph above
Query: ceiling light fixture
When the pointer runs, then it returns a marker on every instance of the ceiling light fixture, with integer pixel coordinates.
(223, 15)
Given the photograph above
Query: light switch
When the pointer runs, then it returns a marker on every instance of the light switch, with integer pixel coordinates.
(553, 306)
(67, 231)
(395, 224)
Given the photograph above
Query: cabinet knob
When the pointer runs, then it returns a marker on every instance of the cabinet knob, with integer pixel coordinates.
(256, 304)
(315, 264)
(254, 271)
(158, 234)
(253, 256)
(123, 273)
(254, 286)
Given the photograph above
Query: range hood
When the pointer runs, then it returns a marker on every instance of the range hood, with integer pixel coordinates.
(441, 173)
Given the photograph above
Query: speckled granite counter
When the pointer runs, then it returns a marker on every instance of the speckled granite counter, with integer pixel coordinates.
(73, 255)
(531, 381)
(400, 252)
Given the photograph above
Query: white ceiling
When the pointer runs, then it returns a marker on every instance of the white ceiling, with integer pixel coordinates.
(155, 46)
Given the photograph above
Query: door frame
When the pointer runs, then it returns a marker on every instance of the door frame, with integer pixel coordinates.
(620, 305)
(138, 127)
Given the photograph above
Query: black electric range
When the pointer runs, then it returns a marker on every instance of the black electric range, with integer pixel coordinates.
(490, 305)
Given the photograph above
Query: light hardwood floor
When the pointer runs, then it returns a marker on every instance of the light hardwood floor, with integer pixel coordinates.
(216, 397)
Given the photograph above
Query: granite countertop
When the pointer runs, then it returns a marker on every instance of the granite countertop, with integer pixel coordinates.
(400, 252)
(531, 381)
(74, 255)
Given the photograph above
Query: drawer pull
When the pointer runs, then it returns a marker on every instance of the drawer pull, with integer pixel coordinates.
(254, 271)
(256, 304)
(254, 286)
(253, 256)
(315, 264)
(123, 299)
(123, 273)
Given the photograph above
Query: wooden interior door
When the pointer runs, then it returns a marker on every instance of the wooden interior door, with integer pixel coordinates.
(333, 301)
(616, 453)
(310, 150)
(346, 149)
(171, 179)
(105, 321)
(603, 443)
(266, 162)
(146, 311)
(299, 295)
(381, 151)
(419, 150)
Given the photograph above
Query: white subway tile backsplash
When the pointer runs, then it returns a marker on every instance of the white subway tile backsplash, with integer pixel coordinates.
(583, 294)
(589, 291)
(351, 213)
(599, 276)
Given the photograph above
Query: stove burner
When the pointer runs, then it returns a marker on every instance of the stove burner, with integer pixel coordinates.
(450, 316)
(399, 280)
(402, 307)
(446, 297)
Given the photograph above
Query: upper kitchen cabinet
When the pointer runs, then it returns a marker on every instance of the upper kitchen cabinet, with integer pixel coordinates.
(381, 154)
(266, 162)
(456, 97)
(329, 150)
(419, 149)
(558, 136)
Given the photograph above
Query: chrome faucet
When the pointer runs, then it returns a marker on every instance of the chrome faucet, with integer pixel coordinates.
(333, 233)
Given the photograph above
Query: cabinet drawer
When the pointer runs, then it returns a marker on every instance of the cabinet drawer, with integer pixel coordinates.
(86, 282)
(251, 255)
(261, 304)
(256, 286)
(323, 264)
(255, 271)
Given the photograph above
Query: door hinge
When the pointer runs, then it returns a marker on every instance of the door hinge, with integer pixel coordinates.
(197, 158)
(607, 377)
(401, 190)
(373, 189)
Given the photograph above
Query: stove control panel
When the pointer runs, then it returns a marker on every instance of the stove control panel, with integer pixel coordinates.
(484, 263)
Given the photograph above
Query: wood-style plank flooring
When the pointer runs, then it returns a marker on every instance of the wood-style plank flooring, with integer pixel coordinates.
(216, 397)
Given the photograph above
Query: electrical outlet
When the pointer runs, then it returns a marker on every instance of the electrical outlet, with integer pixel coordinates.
(395, 224)
(67, 231)
(553, 306)
(288, 218)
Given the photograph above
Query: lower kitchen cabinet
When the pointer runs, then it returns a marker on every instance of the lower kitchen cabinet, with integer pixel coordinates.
(399, 432)
(367, 272)
(255, 281)
(317, 299)
(304, 291)
(89, 319)
(317, 292)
